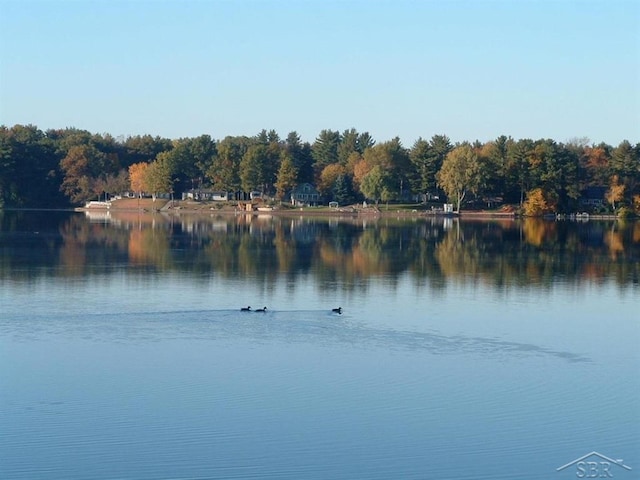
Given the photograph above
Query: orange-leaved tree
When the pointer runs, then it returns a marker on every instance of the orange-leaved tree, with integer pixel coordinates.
(328, 177)
(137, 173)
(538, 203)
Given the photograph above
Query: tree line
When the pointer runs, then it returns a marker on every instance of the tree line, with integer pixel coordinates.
(65, 167)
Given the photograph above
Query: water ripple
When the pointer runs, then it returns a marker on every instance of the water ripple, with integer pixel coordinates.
(317, 327)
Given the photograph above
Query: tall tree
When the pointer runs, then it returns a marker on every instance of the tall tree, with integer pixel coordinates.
(424, 166)
(29, 168)
(372, 183)
(69, 137)
(251, 171)
(360, 169)
(488, 171)
(343, 190)
(325, 150)
(517, 175)
(224, 172)
(595, 163)
(348, 145)
(554, 168)
(426, 159)
(393, 158)
(625, 163)
(365, 140)
(459, 173)
(287, 176)
(271, 165)
(144, 148)
(569, 186)
(158, 176)
(137, 177)
(402, 170)
(377, 184)
(328, 178)
(203, 151)
(273, 137)
(81, 168)
(615, 193)
(262, 137)
(301, 155)
(498, 156)
(440, 146)
(188, 161)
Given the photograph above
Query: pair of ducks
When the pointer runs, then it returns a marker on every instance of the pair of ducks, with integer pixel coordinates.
(264, 309)
(248, 309)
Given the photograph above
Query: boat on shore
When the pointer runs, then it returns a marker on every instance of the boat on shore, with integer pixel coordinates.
(97, 204)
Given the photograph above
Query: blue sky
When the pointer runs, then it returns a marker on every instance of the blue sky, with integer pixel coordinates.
(472, 70)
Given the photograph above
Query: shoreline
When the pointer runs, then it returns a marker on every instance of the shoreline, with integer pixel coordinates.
(178, 207)
(189, 207)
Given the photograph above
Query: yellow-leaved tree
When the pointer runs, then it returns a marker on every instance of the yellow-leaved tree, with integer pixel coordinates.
(459, 174)
(538, 203)
(137, 173)
(328, 177)
(615, 192)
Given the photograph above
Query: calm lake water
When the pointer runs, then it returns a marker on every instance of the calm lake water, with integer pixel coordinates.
(466, 349)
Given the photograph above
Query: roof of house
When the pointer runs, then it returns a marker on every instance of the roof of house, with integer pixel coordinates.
(304, 188)
(594, 192)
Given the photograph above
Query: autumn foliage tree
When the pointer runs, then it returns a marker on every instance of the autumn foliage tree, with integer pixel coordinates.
(458, 174)
(538, 203)
(137, 173)
(68, 166)
(78, 167)
(615, 192)
(328, 177)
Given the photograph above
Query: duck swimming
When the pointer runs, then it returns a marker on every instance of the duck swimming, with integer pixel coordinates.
(245, 309)
(337, 310)
(263, 309)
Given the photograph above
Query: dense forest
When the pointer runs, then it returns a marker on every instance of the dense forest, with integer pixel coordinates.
(67, 167)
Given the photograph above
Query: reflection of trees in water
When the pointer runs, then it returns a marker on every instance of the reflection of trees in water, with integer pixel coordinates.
(537, 232)
(537, 252)
(614, 241)
(285, 250)
(29, 244)
(457, 255)
(90, 247)
(151, 247)
(354, 262)
(348, 252)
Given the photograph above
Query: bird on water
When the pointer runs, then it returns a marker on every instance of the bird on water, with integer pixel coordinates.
(263, 309)
(245, 309)
(337, 310)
